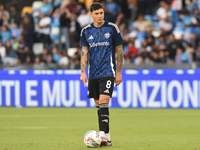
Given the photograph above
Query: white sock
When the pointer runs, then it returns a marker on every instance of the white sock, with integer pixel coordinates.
(107, 136)
(102, 133)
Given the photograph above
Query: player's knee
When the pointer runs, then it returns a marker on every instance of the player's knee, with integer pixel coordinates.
(104, 99)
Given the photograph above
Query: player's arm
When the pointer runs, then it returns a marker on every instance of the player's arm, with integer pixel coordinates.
(84, 60)
(120, 56)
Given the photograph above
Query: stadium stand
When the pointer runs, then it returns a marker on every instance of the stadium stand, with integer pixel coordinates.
(164, 34)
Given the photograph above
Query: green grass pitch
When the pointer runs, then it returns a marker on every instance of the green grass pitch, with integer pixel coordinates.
(131, 129)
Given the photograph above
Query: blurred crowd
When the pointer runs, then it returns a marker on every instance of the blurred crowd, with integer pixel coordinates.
(48, 32)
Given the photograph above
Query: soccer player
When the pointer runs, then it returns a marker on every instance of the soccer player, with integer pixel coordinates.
(100, 41)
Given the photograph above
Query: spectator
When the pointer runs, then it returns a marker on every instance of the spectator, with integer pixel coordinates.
(145, 7)
(132, 52)
(56, 18)
(38, 64)
(177, 5)
(27, 31)
(56, 55)
(166, 16)
(125, 8)
(123, 29)
(197, 54)
(180, 57)
(44, 30)
(71, 6)
(22, 50)
(10, 52)
(75, 30)
(50, 63)
(5, 34)
(162, 12)
(75, 61)
(120, 19)
(190, 5)
(44, 57)
(160, 44)
(55, 27)
(141, 24)
(11, 58)
(154, 56)
(149, 61)
(56, 3)
(149, 44)
(152, 38)
(144, 54)
(46, 8)
(2, 52)
(139, 60)
(83, 19)
(4, 21)
(13, 43)
(196, 17)
(189, 52)
(187, 19)
(64, 28)
(194, 40)
(3, 12)
(14, 15)
(112, 10)
(15, 31)
(122, 23)
(149, 34)
(162, 57)
(64, 60)
(197, 4)
(172, 47)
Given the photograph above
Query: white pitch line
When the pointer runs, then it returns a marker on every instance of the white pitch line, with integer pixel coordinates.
(18, 116)
(37, 128)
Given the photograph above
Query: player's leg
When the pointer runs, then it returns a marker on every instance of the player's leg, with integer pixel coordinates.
(105, 136)
(104, 119)
(93, 92)
(106, 89)
(96, 102)
(104, 113)
(98, 110)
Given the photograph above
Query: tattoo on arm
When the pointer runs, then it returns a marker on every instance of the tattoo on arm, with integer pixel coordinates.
(120, 56)
(84, 58)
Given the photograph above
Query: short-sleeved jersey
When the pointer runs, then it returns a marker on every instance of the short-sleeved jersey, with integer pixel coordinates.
(101, 43)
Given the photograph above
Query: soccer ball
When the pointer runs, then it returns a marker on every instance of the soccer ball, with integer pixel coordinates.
(92, 139)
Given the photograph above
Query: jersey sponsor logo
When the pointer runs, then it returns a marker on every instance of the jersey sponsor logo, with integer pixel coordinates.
(107, 35)
(99, 44)
(106, 91)
(91, 37)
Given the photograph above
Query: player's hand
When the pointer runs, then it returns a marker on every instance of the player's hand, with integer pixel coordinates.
(118, 78)
(83, 78)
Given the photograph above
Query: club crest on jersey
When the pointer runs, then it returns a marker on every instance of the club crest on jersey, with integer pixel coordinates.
(107, 35)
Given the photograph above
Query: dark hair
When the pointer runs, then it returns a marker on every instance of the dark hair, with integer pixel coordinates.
(96, 6)
(14, 5)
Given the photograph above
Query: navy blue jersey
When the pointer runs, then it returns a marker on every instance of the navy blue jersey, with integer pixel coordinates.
(101, 43)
